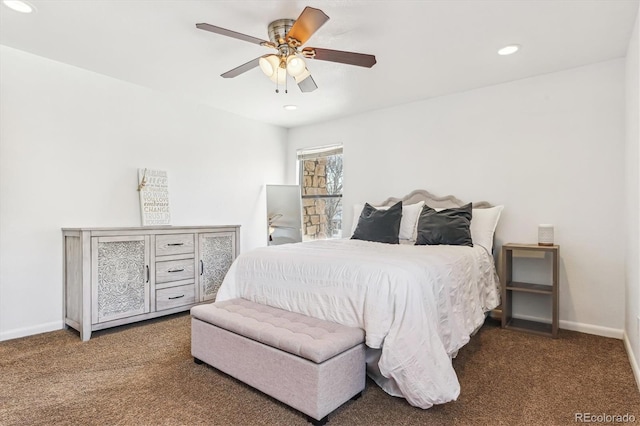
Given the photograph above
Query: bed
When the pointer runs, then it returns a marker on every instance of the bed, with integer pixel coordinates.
(418, 304)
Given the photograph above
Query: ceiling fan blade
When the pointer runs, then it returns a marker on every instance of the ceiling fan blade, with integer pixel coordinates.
(307, 85)
(233, 34)
(307, 23)
(242, 68)
(350, 58)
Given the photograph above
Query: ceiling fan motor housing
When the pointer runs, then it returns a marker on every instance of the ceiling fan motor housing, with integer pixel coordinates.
(279, 29)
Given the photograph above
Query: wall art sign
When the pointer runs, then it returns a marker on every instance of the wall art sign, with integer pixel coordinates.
(153, 186)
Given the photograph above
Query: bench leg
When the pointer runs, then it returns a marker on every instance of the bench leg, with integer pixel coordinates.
(323, 421)
(198, 361)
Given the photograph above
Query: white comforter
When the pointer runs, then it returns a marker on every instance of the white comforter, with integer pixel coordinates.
(419, 304)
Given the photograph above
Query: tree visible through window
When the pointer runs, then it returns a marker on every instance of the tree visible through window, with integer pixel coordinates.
(321, 189)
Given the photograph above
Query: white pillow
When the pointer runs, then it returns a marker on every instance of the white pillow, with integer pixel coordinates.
(483, 225)
(408, 223)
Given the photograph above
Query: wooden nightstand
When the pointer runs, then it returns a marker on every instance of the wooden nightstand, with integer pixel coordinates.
(509, 286)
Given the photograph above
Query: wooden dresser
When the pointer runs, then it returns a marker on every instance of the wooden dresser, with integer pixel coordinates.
(115, 276)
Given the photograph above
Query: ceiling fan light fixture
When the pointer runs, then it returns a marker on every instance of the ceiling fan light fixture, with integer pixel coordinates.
(269, 64)
(295, 65)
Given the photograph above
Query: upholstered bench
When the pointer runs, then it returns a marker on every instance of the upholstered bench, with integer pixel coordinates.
(309, 364)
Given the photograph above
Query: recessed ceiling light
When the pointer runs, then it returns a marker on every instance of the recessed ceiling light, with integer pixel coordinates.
(19, 6)
(290, 107)
(509, 50)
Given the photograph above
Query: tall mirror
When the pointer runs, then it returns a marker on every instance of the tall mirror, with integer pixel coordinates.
(284, 214)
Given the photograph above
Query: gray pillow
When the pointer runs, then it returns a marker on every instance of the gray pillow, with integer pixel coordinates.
(381, 226)
(448, 227)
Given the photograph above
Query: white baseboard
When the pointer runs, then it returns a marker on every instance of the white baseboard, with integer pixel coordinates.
(567, 325)
(28, 331)
(581, 327)
(598, 330)
(632, 359)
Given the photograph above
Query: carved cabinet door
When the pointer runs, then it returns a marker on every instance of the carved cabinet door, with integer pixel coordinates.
(216, 251)
(120, 281)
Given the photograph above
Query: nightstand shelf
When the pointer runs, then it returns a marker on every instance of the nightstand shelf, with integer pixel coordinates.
(509, 287)
(534, 327)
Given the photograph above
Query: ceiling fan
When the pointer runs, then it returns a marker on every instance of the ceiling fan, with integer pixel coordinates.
(287, 36)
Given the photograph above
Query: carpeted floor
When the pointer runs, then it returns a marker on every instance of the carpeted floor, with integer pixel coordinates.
(143, 374)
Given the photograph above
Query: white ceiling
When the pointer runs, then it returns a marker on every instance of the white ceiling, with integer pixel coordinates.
(424, 48)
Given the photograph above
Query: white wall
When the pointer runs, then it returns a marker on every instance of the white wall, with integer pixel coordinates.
(71, 142)
(632, 318)
(550, 148)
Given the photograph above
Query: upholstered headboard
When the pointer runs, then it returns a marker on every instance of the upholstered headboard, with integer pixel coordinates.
(434, 201)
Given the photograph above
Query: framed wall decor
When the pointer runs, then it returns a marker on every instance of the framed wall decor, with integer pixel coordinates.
(153, 186)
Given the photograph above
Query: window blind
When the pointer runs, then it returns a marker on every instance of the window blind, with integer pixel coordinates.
(318, 152)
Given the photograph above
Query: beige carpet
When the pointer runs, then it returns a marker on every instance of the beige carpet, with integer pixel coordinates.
(144, 375)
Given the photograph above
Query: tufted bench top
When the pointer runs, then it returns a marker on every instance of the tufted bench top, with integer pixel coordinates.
(311, 338)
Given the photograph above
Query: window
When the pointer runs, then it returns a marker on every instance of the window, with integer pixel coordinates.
(320, 172)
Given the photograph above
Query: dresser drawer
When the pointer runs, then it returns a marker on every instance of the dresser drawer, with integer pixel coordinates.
(170, 244)
(172, 297)
(175, 270)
